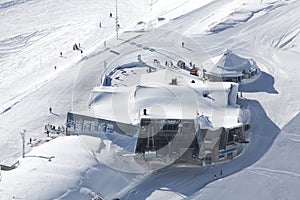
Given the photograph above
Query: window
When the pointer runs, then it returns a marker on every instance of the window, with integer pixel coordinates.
(221, 157)
(207, 160)
(233, 135)
(230, 138)
(145, 122)
(222, 144)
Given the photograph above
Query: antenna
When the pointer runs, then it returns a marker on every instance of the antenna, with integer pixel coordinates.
(117, 20)
(151, 14)
(23, 141)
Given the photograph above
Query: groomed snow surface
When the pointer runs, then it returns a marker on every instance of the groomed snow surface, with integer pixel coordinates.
(35, 32)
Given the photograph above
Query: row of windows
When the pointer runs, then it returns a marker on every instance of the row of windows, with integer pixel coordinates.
(229, 156)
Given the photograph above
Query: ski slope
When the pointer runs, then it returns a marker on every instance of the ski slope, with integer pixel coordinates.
(267, 31)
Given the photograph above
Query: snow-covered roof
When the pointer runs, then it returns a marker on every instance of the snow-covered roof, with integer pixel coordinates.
(231, 65)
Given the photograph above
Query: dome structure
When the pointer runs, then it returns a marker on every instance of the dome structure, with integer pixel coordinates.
(232, 68)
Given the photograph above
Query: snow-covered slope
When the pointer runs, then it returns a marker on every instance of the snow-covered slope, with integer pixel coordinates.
(35, 33)
(30, 49)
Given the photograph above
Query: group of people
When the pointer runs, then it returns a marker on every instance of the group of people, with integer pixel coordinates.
(167, 63)
(221, 174)
(77, 48)
(49, 128)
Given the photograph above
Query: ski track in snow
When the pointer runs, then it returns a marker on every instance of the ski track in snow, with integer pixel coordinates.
(7, 4)
(8, 105)
(273, 171)
(288, 38)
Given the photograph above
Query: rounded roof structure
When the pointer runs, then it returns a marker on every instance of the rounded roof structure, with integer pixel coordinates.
(231, 65)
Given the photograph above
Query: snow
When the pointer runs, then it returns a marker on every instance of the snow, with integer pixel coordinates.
(49, 177)
(231, 65)
(266, 31)
(182, 101)
(271, 177)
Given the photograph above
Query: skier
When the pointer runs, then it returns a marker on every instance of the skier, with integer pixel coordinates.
(60, 53)
(110, 14)
(100, 25)
(50, 110)
(75, 47)
(221, 172)
(182, 44)
(54, 67)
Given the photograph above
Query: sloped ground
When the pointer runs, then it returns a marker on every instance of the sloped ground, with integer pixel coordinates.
(266, 31)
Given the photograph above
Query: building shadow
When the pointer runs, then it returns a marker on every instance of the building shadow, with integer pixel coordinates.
(187, 181)
(264, 83)
(293, 125)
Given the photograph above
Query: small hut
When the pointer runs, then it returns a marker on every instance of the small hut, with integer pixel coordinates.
(232, 68)
(194, 71)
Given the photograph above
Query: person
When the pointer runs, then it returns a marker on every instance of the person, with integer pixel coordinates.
(182, 44)
(100, 25)
(50, 110)
(54, 67)
(221, 172)
(81, 51)
(75, 47)
(110, 14)
(60, 54)
(215, 176)
(30, 140)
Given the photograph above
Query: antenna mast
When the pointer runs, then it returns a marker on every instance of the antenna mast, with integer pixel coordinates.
(117, 20)
(23, 142)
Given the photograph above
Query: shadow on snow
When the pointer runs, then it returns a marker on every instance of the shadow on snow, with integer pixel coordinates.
(187, 181)
(293, 125)
(264, 83)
